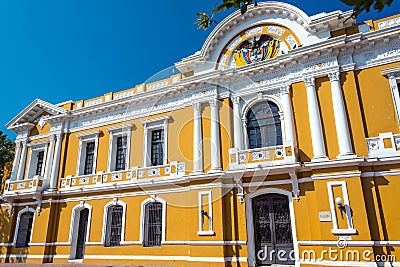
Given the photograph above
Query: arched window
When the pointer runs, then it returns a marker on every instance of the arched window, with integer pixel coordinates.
(153, 224)
(24, 229)
(114, 226)
(264, 125)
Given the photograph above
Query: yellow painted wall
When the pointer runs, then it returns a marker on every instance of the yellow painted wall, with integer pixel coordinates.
(376, 101)
(301, 121)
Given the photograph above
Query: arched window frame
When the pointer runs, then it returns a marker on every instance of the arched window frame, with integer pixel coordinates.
(247, 108)
(142, 217)
(115, 202)
(26, 209)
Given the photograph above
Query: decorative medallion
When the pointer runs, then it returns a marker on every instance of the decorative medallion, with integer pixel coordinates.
(42, 121)
(259, 49)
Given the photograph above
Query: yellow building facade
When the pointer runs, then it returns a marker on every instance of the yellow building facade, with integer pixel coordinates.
(277, 144)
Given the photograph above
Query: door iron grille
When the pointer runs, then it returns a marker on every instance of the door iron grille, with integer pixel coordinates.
(272, 230)
(81, 239)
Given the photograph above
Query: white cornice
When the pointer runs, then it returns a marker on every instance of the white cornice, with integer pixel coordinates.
(89, 134)
(125, 126)
(156, 119)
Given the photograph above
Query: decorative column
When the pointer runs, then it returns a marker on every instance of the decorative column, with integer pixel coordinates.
(56, 163)
(288, 114)
(317, 136)
(245, 135)
(22, 161)
(14, 171)
(49, 158)
(215, 137)
(237, 124)
(197, 140)
(339, 111)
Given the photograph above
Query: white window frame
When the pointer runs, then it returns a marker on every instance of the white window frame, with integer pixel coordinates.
(149, 126)
(142, 216)
(74, 227)
(114, 202)
(27, 208)
(394, 79)
(346, 203)
(35, 148)
(84, 138)
(209, 231)
(115, 132)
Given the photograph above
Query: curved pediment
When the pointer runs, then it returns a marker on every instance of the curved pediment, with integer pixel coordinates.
(286, 24)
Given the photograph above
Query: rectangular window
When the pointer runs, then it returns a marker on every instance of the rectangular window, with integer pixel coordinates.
(153, 225)
(89, 159)
(39, 164)
(24, 230)
(114, 226)
(120, 160)
(157, 147)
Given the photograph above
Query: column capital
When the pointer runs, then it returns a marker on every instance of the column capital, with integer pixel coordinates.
(285, 89)
(196, 106)
(334, 76)
(236, 100)
(52, 137)
(213, 102)
(18, 144)
(59, 136)
(309, 81)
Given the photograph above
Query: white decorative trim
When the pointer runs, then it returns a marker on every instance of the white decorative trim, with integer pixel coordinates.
(336, 175)
(84, 138)
(114, 202)
(142, 216)
(336, 230)
(26, 209)
(151, 125)
(393, 75)
(115, 132)
(250, 228)
(129, 257)
(209, 216)
(32, 159)
(74, 226)
(94, 133)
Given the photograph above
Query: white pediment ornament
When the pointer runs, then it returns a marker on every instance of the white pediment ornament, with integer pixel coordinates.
(42, 121)
(33, 113)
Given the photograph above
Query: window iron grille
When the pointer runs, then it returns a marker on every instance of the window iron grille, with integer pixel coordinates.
(120, 160)
(157, 147)
(89, 158)
(24, 230)
(113, 226)
(153, 225)
(39, 164)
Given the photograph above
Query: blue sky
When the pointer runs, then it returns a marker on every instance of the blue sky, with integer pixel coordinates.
(78, 49)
